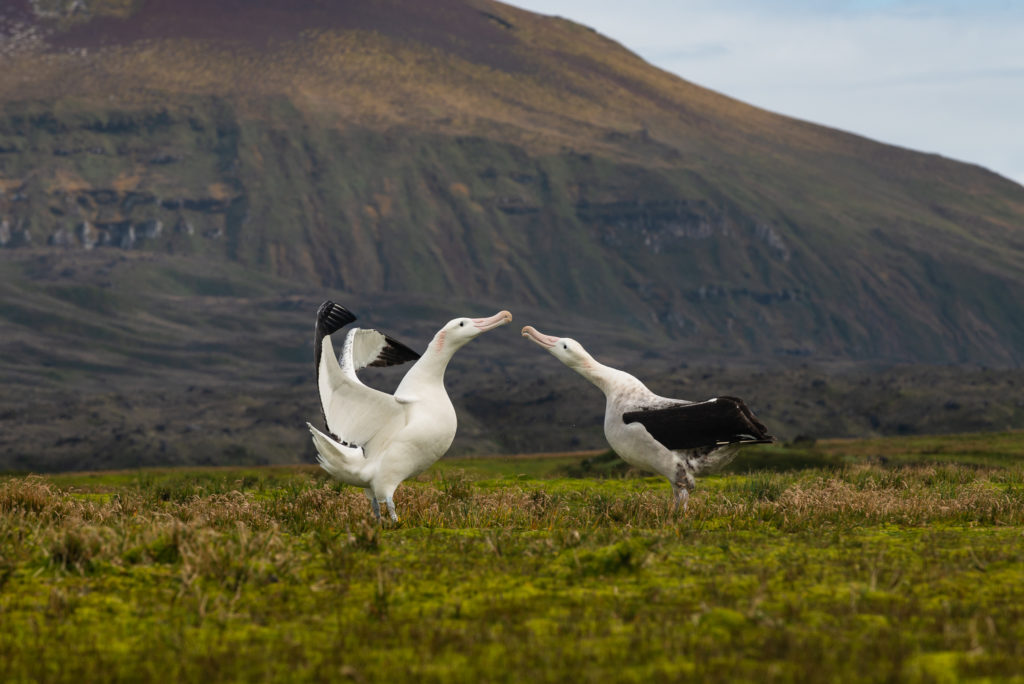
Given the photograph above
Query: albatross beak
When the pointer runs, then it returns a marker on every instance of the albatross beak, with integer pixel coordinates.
(546, 341)
(495, 321)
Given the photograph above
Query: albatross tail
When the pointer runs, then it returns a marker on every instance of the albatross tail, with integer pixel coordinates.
(344, 462)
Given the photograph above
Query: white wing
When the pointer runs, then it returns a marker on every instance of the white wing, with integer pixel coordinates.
(354, 412)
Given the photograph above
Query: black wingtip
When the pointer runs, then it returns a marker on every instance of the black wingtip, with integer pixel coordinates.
(394, 353)
(331, 317)
(741, 406)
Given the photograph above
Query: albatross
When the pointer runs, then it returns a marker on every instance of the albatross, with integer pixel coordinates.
(376, 440)
(674, 438)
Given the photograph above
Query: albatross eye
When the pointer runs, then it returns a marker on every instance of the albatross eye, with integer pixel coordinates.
(565, 346)
(462, 323)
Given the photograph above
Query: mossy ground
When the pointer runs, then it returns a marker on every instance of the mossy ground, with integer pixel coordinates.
(500, 570)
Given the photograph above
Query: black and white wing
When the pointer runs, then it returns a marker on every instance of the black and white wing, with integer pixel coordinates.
(716, 422)
(366, 347)
(353, 412)
(330, 317)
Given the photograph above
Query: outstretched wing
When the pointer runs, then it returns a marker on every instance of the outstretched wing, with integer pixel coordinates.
(365, 347)
(353, 412)
(716, 422)
(330, 317)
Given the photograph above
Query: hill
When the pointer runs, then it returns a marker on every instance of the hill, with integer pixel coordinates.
(178, 178)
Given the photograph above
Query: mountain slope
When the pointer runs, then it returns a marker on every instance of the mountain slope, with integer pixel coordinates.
(470, 146)
(181, 182)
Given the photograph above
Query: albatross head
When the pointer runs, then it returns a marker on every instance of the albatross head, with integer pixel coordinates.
(565, 349)
(459, 331)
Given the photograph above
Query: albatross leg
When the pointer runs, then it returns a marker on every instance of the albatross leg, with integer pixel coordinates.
(391, 509)
(373, 502)
(684, 482)
(682, 495)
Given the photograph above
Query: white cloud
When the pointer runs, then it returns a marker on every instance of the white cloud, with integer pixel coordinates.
(940, 76)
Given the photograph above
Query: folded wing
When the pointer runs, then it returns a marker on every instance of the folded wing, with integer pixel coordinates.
(716, 422)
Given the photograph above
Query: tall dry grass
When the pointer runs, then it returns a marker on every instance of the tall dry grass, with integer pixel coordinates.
(185, 523)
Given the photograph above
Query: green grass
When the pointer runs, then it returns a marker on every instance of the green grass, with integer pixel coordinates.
(503, 570)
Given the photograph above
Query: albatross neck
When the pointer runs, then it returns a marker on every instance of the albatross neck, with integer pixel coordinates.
(429, 369)
(606, 378)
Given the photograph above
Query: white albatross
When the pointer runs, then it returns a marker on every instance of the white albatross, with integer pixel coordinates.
(675, 438)
(376, 440)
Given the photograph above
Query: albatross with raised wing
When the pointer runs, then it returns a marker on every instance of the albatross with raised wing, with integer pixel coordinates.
(376, 440)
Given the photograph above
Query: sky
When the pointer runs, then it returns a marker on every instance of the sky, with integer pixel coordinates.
(945, 76)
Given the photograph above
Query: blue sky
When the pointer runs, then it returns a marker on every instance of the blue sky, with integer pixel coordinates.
(945, 76)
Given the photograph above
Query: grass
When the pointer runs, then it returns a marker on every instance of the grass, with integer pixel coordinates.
(503, 570)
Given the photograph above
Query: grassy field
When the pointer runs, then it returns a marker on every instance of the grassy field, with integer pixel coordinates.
(882, 560)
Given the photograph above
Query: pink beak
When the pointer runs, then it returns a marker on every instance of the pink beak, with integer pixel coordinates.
(497, 320)
(546, 341)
